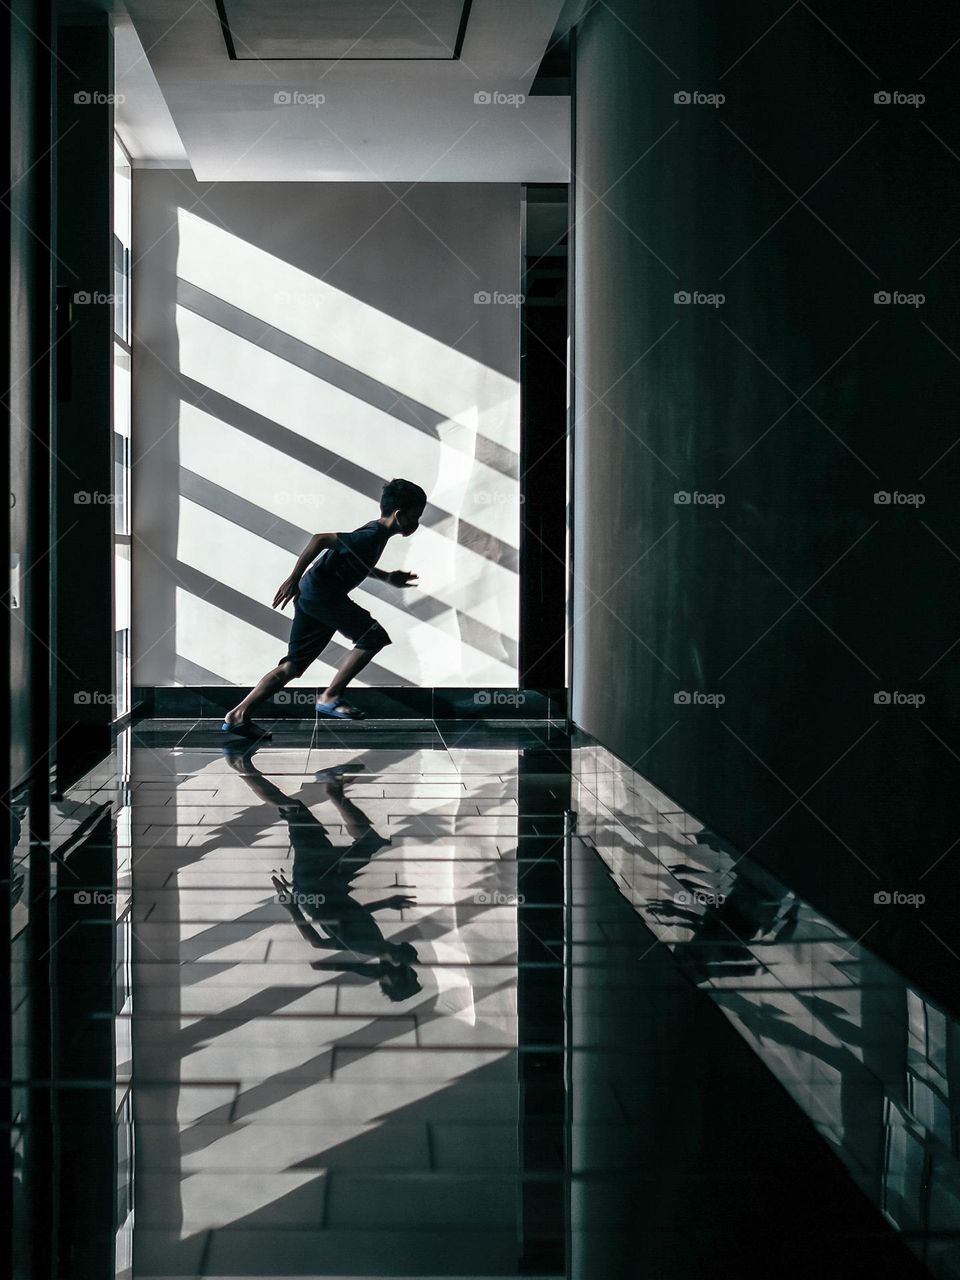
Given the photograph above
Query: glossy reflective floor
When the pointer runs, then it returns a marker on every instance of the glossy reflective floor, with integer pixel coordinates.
(367, 1004)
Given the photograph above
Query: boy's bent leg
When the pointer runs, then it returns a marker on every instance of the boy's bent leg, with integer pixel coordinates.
(350, 667)
(369, 638)
(281, 675)
(309, 636)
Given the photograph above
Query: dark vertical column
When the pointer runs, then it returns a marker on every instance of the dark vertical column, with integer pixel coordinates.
(26, 202)
(543, 796)
(83, 610)
(571, 417)
(6, 778)
(83, 963)
(543, 453)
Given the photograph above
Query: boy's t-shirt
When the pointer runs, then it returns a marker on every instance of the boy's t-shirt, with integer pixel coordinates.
(340, 568)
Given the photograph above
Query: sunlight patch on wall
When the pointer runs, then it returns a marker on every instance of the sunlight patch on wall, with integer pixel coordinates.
(346, 426)
(352, 331)
(296, 495)
(287, 453)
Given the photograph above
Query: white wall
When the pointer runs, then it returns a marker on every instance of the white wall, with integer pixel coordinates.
(295, 345)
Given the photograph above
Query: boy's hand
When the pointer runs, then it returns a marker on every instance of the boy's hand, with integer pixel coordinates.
(401, 578)
(287, 591)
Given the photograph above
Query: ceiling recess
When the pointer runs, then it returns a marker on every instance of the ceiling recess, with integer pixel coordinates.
(355, 30)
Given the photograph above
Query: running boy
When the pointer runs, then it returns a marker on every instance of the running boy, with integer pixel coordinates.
(331, 566)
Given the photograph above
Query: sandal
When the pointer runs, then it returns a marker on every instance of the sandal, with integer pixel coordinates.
(338, 710)
(246, 729)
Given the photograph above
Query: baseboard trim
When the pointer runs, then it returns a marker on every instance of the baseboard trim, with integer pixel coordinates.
(384, 703)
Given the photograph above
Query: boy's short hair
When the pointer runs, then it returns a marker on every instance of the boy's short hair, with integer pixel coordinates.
(401, 493)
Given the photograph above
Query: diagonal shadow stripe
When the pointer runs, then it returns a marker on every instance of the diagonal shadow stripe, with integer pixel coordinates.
(187, 672)
(359, 385)
(282, 533)
(285, 1084)
(357, 478)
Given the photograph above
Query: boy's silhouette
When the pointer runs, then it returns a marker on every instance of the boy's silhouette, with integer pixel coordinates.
(331, 566)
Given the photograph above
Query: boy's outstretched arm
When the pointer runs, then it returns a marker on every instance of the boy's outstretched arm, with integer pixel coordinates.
(396, 577)
(290, 588)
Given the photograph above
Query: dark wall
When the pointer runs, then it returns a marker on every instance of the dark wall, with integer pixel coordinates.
(543, 439)
(83, 610)
(26, 210)
(801, 598)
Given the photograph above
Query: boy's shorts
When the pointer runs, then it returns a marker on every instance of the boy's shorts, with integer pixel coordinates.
(312, 632)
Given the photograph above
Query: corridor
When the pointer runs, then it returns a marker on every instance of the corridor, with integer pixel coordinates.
(481, 640)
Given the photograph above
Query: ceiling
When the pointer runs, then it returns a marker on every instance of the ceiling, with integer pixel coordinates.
(343, 90)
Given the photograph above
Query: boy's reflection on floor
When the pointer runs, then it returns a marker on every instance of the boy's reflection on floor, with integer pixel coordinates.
(320, 896)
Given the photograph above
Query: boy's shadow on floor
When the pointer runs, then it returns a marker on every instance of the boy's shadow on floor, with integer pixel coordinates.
(319, 894)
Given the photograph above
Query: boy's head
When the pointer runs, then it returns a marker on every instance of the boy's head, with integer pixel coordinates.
(405, 499)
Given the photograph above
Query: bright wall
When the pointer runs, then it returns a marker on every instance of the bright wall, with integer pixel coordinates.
(295, 345)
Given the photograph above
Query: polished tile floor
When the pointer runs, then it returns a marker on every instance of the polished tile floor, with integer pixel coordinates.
(381, 1005)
